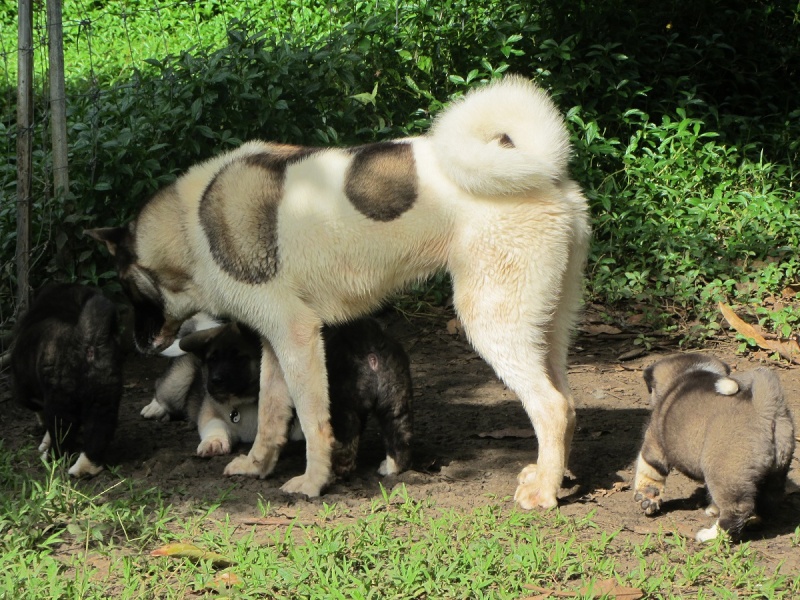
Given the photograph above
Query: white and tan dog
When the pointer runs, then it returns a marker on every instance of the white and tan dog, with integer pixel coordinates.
(286, 238)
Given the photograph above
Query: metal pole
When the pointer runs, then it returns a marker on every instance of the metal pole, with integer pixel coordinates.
(58, 99)
(24, 151)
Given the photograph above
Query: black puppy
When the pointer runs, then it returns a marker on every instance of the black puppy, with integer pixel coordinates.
(368, 372)
(67, 367)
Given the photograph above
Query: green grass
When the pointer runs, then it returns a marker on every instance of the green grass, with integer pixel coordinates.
(61, 539)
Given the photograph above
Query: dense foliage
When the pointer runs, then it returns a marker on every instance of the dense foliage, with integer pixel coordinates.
(685, 119)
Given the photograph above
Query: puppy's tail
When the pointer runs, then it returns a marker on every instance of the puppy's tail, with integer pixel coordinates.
(504, 138)
(773, 413)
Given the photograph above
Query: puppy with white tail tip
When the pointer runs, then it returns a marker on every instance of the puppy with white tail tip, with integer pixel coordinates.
(67, 368)
(732, 432)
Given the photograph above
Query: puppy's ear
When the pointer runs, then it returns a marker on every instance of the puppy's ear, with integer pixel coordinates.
(197, 342)
(111, 236)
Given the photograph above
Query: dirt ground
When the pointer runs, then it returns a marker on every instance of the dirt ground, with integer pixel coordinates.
(472, 438)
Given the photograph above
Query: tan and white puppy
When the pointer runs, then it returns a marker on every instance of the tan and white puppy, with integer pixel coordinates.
(285, 239)
(732, 432)
(172, 388)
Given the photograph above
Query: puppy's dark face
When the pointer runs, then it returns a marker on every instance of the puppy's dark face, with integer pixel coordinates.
(230, 357)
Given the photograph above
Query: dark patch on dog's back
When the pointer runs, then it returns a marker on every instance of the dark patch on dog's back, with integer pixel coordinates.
(238, 212)
(381, 182)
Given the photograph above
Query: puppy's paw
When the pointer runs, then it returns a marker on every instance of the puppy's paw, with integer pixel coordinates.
(214, 446)
(84, 467)
(388, 467)
(44, 447)
(244, 464)
(303, 484)
(649, 499)
(712, 510)
(154, 410)
(531, 493)
(713, 532)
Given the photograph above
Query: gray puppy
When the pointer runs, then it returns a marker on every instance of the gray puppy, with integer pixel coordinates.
(732, 432)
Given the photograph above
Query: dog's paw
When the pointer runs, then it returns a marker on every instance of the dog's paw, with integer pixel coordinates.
(245, 465)
(712, 510)
(214, 446)
(649, 499)
(154, 410)
(84, 467)
(531, 493)
(527, 475)
(302, 484)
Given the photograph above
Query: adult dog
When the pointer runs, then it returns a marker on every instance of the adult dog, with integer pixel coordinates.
(285, 238)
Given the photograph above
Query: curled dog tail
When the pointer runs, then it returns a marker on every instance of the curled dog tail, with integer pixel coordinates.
(772, 411)
(504, 138)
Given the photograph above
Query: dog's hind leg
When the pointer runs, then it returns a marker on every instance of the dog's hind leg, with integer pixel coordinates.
(518, 299)
(517, 350)
(733, 489)
(652, 469)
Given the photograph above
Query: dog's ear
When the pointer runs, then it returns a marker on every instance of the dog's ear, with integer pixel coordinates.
(197, 342)
(111, 236)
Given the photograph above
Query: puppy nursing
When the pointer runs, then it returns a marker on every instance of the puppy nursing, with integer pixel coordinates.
(732, 432)
(368, 374)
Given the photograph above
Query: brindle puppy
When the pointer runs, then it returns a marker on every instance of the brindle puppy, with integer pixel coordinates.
(67, 367)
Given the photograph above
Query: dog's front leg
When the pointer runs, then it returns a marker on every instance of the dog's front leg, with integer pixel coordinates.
(307, 379)
(274, 413)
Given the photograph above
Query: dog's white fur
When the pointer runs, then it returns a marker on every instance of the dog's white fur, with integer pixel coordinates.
(495, 207)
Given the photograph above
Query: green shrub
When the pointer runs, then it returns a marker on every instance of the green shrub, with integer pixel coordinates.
(684, 120)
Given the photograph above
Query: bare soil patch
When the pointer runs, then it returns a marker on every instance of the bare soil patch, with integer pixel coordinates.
(472, 438)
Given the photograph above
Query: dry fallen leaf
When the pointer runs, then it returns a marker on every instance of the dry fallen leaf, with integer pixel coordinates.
(788, 349)
(182, 550)
(227, 578)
